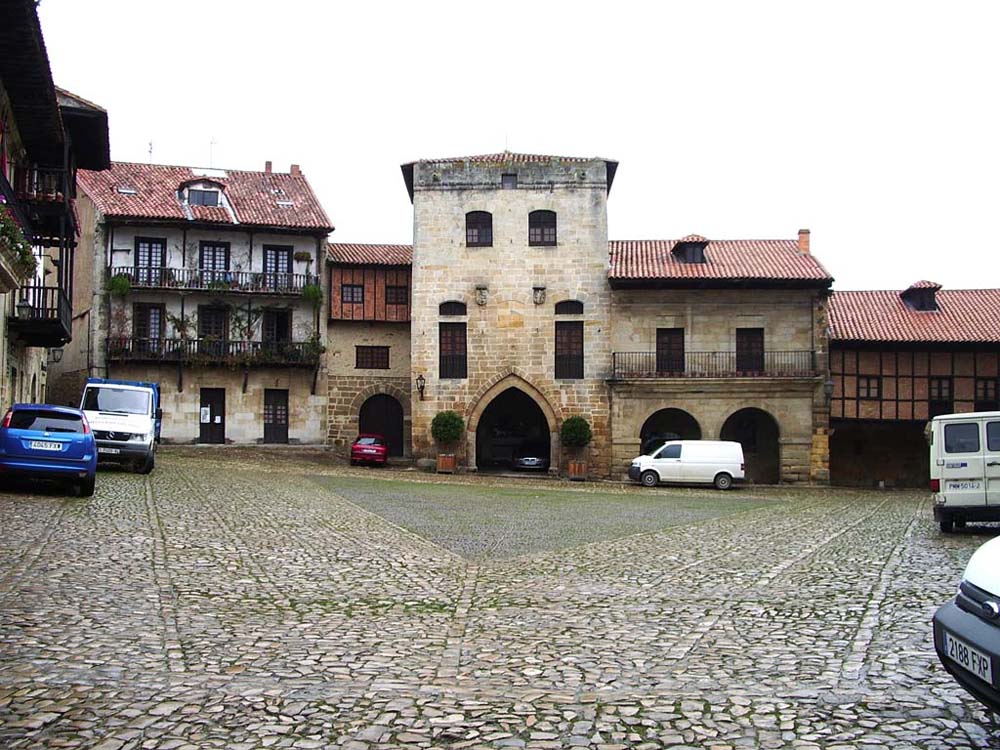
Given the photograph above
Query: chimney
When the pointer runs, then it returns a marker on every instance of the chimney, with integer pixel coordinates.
(804, 241)
(295, 170)
(267, 167)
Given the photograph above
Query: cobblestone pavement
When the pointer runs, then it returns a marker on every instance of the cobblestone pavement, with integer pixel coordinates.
(234, 600)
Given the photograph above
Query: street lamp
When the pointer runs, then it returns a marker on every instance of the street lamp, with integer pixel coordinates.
(421, 384)
(24, 308)
(56, 354)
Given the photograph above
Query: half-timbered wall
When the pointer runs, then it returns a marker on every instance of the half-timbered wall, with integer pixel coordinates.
(377, 304)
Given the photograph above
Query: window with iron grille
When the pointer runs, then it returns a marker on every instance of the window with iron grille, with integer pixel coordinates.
(542, 228)
(479, 229)
(569, 307)
(452, 357)
(396, 295)
(452, 308)
(371, 357)
(352, 293)
(198, 197)
(869, 387)
(986, 395)
(569, 349)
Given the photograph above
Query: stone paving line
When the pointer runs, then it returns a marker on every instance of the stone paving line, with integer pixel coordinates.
(252, 609)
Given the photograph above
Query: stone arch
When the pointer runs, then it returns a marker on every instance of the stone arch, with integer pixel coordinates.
(760, 434)
(511, 378)
(375, 389)
(670, 423)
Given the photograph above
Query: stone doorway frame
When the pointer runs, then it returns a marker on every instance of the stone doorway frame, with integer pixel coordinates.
(485, 398)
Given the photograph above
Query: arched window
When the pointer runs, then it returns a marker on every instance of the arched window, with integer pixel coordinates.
(452, 308)
(569, 307)
(542, 228)
(479, 229)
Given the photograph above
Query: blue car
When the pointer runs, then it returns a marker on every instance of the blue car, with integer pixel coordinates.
(39, 441)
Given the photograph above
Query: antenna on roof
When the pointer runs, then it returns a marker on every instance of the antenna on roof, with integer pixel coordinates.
(150, 152)
(506, 144)
(211, 151)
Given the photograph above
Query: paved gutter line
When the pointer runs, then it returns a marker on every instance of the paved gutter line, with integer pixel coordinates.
(164, 584)
(32, 554)
(857, 654)
(451, 657)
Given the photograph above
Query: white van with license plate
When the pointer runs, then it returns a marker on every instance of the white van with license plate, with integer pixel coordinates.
(716, 462)
(965, 468)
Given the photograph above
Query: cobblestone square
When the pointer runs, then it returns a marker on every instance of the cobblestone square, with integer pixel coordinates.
(244, 599)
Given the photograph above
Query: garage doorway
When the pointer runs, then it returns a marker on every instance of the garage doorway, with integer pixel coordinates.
(757, 431)
(383, 415)
(511, 422)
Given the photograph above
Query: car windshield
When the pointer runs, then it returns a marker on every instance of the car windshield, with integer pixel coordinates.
(120, 400)
(369, 441)
(45, 421)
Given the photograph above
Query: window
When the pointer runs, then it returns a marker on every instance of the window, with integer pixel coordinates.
(396, 295)
(276, 326)
(213, 261)
(277, 266)
(371, 357)
(869, 387)
(479, 229)
(542, 228)
(670, 451)
(961, 438)
(569, 349)
(198, 197)
(939, 397)
(45, 421)
(986, 395)
(452, 308)
(689, 252)
(352, 293)
(508, 181)
(669, 350)
(993, 436)
(452, 358)
(150, 259)
(147, 327)
(213, 330)
(749, 349)
(569, 307)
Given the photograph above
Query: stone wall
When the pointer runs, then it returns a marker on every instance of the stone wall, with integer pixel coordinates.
(510, 325)
(346, 395)
(342, 336)
(244, 410)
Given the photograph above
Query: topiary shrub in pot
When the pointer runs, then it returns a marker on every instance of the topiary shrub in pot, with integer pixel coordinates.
(446, 429)
(575, 435)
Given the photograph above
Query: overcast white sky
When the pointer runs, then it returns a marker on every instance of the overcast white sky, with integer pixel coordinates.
(874, 124)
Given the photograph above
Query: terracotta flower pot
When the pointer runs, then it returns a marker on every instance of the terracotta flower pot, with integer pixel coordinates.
(577, 470)
(446, 463)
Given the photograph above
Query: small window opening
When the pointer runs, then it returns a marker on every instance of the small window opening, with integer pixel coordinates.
(508, 181)
(452, 308)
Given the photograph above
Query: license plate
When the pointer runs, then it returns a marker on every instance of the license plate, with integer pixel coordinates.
(968, 658)
(369, 450)
(44, 445)
(112, 451)
(963, 486)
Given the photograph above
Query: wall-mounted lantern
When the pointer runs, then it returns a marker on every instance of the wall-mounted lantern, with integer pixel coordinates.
(421, 384)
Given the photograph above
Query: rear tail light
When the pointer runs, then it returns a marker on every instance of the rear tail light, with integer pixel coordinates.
(86, 426)
(935, 485)
(743, 467)
(6, 419)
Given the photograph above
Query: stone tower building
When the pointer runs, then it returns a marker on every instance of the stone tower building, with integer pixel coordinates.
(510, 302)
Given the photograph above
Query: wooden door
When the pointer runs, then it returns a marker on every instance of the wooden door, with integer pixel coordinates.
(212, 416)
(275, 415)
(383, 415)
(669, 350)
(749, 349)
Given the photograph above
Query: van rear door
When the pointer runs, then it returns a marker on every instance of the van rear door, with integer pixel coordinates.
(992, 459)
(962, 473)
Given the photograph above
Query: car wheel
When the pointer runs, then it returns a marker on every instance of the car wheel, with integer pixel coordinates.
(723, 481)
(649, 478)
(146, 466)
(87, 487)
(947, 525)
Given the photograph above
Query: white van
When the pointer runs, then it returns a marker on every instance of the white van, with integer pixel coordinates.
(965, 468)
(718, 462)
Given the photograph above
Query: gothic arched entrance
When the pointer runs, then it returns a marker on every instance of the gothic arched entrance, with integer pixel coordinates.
(511, 423)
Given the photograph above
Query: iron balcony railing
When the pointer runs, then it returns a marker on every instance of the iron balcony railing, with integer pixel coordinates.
(213, 351)
(632, 365)
(259, 282)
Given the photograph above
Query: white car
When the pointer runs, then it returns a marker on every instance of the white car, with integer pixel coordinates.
(715, 462)
(967, 630)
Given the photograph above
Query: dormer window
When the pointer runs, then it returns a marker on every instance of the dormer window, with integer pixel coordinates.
(202, 197)
(690, 251)
(922, 296)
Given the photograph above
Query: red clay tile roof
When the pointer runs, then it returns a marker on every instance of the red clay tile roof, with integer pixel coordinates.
(924, 285)
(253, 196)
(725, 260)
(963, 315)
(370, 255)
(509, 157)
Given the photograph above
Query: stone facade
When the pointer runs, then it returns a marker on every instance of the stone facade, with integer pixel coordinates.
(510, 334)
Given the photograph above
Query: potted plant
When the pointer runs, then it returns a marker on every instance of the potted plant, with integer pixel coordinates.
(446, 429)
(16, 246)
(576, 435)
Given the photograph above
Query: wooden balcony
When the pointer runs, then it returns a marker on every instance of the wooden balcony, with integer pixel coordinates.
(42, 316)
(651, 365)
(45, 194)
(210, 352)
(237, 282)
